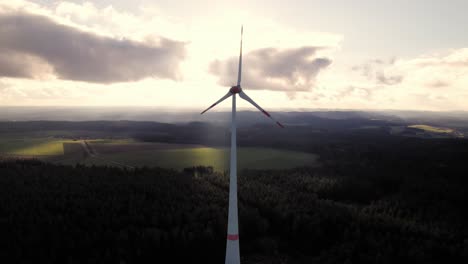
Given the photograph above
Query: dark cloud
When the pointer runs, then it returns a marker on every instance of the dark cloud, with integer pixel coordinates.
(19, 65)
(287, 70)
(32, 44)
(12, 65)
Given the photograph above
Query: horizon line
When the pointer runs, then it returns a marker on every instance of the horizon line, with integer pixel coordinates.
(244, 109)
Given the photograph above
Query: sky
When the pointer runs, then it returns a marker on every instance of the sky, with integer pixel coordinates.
(297, 55)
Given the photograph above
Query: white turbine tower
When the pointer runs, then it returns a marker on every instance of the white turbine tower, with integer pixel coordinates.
(232, 244)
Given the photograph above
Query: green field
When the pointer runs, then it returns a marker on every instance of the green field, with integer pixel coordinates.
(32, 146)
(254, 158)
(118, 152)
(432, 129)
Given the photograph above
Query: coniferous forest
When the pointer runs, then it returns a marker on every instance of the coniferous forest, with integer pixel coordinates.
(392, 202)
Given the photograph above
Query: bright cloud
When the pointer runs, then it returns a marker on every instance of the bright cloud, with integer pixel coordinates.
(272, 69)
(429, 82)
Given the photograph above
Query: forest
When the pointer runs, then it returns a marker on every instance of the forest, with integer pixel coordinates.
(374, 200)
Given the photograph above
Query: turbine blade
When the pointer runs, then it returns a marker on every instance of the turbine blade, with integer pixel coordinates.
(239, 73)
(248, 99)
(217, 102)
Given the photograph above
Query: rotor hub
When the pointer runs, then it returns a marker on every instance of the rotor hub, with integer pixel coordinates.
(235, 89)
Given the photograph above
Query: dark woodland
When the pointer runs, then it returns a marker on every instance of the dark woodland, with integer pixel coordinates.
(376, 198)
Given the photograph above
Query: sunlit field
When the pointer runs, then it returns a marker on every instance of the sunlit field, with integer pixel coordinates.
(32, 147)
(432, 129)
(127, 152)
(218, 158)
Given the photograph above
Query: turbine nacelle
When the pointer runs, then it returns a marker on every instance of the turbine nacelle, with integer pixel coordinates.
(235, 89)
(238, 90)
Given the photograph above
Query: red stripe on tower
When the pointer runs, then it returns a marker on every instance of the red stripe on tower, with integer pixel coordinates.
(233, 237)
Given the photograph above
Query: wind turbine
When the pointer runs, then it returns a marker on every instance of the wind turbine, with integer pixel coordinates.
(232, 244)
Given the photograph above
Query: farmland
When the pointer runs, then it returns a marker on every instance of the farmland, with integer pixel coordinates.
(179, 157)
(128, 152)
(432, 129)
(32, 146)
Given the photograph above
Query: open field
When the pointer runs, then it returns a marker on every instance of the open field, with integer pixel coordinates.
(218, 158)
(179, 156)
(119, 152)
(32, 146)
(426, 131)
(432, 129)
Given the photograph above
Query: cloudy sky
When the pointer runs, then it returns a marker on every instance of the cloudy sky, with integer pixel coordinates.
(332, 54)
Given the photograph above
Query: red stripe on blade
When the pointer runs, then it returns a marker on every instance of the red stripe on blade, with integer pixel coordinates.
(209, 108)
(267, 114)
(233, 237)
(279, 124)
